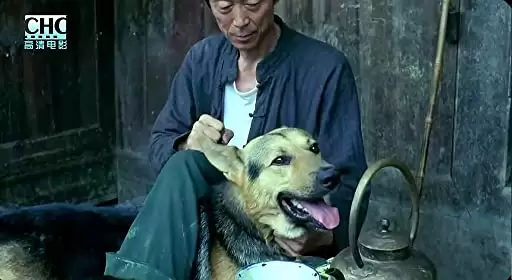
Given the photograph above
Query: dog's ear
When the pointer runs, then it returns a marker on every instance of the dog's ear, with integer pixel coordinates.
(228, 160)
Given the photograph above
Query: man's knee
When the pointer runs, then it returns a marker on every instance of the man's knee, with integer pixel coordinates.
(185, 159)
(194, 163)
(189, 157)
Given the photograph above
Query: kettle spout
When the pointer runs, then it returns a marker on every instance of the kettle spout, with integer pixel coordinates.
(334, 274)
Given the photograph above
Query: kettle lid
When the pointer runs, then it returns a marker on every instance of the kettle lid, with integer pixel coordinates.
(391, 243)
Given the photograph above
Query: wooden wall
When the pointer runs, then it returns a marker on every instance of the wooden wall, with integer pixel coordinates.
(465, 222)
(76, 125)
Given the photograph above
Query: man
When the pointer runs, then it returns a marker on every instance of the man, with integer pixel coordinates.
(256, 76)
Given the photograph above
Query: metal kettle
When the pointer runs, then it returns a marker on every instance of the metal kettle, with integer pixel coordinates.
(381, 253)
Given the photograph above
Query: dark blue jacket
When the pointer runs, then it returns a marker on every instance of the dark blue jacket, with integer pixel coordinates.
(304, 83)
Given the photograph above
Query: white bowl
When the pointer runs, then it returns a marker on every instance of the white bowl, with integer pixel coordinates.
(278, 270)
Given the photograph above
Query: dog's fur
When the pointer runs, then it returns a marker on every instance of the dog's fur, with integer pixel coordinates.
(237, 226)
(60, 241)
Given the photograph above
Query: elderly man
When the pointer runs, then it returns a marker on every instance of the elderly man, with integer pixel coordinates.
(259, 74)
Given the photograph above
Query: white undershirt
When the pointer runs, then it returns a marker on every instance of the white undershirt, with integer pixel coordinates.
(238, 106)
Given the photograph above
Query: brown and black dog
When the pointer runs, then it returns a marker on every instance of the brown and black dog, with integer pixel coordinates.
(278, 184)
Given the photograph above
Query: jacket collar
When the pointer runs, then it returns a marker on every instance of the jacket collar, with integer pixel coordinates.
(267, 66)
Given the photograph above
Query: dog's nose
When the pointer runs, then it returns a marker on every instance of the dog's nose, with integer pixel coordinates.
(328, 177)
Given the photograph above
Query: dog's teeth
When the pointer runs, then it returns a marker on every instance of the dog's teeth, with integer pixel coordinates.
(298, 205)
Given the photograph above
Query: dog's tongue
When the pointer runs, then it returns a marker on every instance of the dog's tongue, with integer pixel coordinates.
(323, 213)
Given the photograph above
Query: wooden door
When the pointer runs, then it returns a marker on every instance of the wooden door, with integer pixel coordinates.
(57, 109)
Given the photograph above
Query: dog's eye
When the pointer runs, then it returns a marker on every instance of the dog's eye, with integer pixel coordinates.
(281, 160)
(314, 148)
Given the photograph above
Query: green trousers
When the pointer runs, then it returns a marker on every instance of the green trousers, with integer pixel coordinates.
(162, 241)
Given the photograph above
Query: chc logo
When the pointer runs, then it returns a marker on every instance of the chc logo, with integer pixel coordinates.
(45, 31)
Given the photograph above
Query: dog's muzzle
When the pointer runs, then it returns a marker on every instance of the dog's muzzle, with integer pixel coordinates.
(328, 178)
(312, 211)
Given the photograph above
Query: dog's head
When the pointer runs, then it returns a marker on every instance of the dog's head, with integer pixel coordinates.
(282, 181)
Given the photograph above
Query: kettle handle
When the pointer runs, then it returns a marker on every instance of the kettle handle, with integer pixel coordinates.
(362, 190)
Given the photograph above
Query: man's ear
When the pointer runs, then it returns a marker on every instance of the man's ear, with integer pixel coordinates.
(228, 160)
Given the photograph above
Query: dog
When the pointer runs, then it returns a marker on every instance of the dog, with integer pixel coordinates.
(278, 184)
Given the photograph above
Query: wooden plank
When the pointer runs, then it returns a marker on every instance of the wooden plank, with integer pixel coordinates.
(298, 14)
(397, 48)
(186, 30)
(509, 150)
(160, 19)
(92, 182)
(68, 139)
(22, 159)
(5, 94)
(210, 25)
(12, 109)
(65, 66)
(334, 22)
(134, 176)
(169, 37)
(129, 66)
(29, 89)
(483, 103)
(107, 99)
(59, 160)
(38, 89)
(88, 71)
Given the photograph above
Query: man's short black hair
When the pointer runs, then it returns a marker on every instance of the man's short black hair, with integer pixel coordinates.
(208, 2)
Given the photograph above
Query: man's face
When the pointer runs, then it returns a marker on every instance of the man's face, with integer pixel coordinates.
(244, 22)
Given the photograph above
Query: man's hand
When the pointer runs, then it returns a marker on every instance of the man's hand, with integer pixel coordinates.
(207, 129)
(306, 243)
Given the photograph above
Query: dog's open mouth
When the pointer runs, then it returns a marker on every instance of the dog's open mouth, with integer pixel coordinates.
(312, 212)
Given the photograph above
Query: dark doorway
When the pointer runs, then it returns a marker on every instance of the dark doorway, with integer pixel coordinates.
(57, 107)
